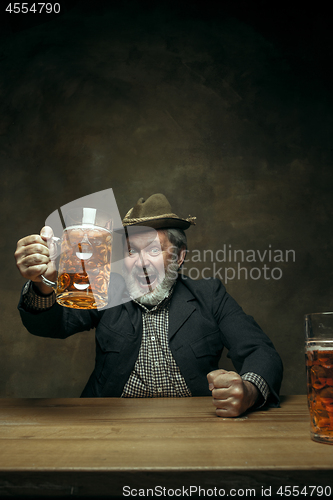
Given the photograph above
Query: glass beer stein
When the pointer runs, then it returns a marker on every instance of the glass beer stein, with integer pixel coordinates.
(84, 259)
(319, 370)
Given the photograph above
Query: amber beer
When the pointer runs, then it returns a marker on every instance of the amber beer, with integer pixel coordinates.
(84, 267)
(319, 368)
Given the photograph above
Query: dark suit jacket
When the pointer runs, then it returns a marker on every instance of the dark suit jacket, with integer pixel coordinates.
(203, 319)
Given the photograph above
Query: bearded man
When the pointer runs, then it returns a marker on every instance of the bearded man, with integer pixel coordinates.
(166, 341)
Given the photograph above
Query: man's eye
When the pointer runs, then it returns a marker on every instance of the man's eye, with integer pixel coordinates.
(155, 251)
(132, 251)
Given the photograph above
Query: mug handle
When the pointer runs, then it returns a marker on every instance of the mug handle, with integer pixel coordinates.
(51, 284)
(54, 252)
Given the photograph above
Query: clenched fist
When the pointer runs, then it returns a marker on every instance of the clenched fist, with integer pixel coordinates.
(33, 258)
(232, 395)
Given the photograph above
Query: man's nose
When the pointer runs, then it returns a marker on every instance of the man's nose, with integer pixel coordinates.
(144, 259)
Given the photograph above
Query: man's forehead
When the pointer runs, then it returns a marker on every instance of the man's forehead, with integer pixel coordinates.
(146, 236)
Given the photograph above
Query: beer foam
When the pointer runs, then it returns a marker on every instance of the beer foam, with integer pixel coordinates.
(319, 345)
(87, 226)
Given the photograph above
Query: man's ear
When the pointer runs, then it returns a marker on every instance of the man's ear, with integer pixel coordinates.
(181, 256)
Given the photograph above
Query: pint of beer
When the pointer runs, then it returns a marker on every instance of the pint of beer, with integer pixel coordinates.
(84, 268)
(82, 258)
(319, 371)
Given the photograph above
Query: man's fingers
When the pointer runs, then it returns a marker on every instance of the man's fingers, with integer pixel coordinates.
(32, 266)
(231, 411)
(33, 273)
(212, 377)
(221, 378)
(234, 391)
(35, 249)
(34, 259)
(229, 407)
(32, 255)
(30, 240)
(46, 232)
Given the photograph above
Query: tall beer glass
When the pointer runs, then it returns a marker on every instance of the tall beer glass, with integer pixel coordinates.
(85, 259)
(319, 371)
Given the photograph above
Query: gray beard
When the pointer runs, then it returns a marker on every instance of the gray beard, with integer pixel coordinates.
(160, 292)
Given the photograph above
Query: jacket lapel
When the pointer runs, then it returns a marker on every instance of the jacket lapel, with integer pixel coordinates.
(181, 307)
(135, 315)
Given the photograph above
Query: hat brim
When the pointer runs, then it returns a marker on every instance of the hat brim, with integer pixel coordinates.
(160, 223)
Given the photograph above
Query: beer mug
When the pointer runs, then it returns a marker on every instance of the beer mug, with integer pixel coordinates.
(319, 371)
(83, 256)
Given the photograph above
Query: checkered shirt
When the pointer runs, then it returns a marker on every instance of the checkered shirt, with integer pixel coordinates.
(156, 374)
(260, 384)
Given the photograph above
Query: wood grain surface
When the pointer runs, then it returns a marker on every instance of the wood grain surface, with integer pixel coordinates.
(62, 446)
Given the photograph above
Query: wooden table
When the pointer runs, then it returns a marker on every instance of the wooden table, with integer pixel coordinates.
(62, 447)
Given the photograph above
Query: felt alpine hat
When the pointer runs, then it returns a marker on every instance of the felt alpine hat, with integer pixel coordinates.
(155, 212)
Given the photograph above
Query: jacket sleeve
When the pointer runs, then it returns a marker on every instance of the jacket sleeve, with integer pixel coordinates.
(249, 347)
(57, 322)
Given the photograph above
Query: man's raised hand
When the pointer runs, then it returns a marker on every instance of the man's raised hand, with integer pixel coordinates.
(33, 258)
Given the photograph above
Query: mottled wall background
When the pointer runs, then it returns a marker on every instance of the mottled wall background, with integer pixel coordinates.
(225, 108)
